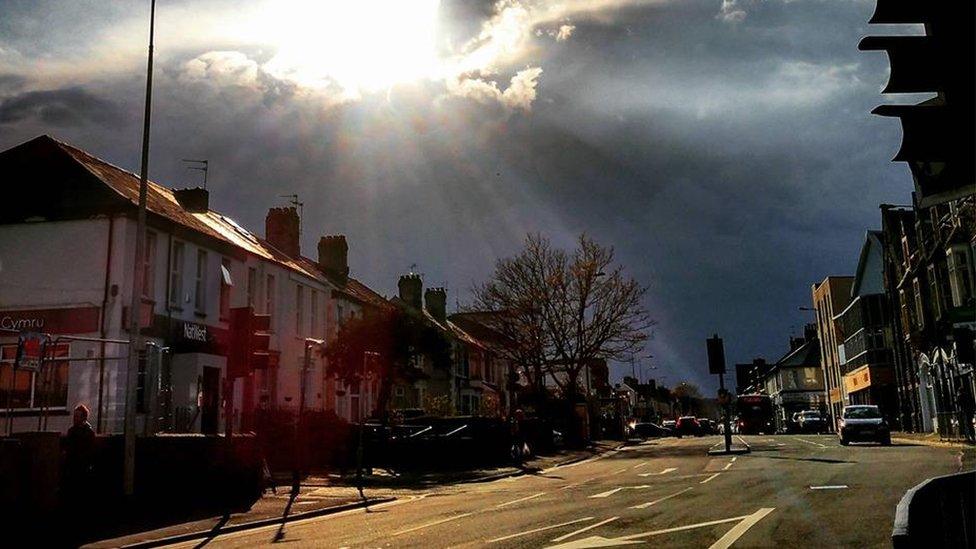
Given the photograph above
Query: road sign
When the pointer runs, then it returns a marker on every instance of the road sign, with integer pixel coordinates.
(30, 351)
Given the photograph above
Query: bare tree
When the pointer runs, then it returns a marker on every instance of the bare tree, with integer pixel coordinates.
(564, 311)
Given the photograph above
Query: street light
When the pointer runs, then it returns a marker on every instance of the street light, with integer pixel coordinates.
(135, 305)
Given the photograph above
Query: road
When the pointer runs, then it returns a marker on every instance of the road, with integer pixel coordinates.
(791, 491)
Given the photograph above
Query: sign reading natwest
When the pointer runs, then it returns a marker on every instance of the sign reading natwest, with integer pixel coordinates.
(73, 320)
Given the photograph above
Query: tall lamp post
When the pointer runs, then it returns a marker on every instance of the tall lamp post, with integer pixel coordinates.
(135, 305)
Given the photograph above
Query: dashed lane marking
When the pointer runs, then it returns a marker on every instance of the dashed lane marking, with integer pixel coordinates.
(585, 529)
(609, 493)
(662, 472)
(542, 529)
(812, 443)
(830, 487)
(429, 524)
(659, 500)
(709, 479)
(639, 465)
(519, 500)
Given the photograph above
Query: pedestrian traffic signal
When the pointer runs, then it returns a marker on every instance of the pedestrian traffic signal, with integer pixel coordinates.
(250, 342)
(937, 134)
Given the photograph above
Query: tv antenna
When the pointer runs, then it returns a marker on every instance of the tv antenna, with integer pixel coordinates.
(199, 165)
(300, 206)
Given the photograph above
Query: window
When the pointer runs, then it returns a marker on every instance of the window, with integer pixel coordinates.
(299, 310)
(149, 266)
(141, 406)
(906, 252)
(176, 275)
(252, 286)
(225, 284)
(355, 412)
(934, 296)
(907, 317)
(341, 320)
(33, 390)
(269, 299)
(960, 274)
(314, 312)
(919, 310)
(200, 286)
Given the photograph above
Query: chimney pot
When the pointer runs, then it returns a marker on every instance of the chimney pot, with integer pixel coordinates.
(195, 200)
(411, 289)
(435, 300)
(333, 256)
(281, 229)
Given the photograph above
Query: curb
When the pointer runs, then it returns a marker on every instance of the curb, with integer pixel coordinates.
(190, 536)
(520, 472)
(933, 443)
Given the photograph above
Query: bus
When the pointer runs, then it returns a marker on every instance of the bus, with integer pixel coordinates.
(755, 414)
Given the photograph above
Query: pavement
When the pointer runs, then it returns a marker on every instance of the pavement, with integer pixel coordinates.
(789, 491)
(329, 494)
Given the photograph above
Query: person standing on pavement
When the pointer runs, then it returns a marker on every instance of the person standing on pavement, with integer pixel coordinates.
(77, 481)
(964, 404)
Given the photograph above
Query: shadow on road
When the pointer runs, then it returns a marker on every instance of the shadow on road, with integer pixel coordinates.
(813, 459)
(214, 532)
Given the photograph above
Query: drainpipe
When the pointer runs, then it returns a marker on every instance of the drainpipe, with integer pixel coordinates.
(102, 326)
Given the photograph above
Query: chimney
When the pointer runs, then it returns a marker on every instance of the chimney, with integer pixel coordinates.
(333, 255)
(281, 230)
(435, 299)
(411, 287)
(196, 200)
(810, 332)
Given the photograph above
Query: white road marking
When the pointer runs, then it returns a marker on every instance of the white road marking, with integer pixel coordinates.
(620, 471)
(573, 485)
(585, 529)
(429, 524)
(738, 530)
(663, 472)
(514, 501)
(812, 443)
(830, 487)
(598, 541)
(727, 465)
(609, 493)
(709, 478)
(659, 500)
(734, 458)
(606, 494)
(639, 465)
(542, 529)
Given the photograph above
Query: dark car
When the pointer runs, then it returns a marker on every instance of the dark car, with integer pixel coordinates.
(863, 423)
(707, 426)
(651, 430)
(811, 421)
(688, 426)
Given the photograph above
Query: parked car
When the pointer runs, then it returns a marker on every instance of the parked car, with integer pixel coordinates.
(707, 426)
(810, 421)
(688, 426)
(670, 424)
(651, 430)
(863, 423)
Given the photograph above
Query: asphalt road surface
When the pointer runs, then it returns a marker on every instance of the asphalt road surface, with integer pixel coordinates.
(791, 491)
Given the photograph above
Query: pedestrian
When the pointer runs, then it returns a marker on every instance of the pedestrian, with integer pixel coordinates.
(77, 484)
(965, 407)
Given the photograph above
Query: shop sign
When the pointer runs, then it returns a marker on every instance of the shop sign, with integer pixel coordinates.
(194, 332)
(74, 320)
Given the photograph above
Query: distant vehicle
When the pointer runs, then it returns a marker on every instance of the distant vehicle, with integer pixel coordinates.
(669, 424)
(688, 425)
(707, 426)
(755, 414)
(863, 423)
(810, 421)
(651, 430)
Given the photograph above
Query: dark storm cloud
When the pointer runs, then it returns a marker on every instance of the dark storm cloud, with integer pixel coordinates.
(71, 106)
(730, 165)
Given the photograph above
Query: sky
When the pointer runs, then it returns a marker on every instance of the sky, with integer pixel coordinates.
(724, 148)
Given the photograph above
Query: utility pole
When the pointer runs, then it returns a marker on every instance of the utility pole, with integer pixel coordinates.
(135, 305)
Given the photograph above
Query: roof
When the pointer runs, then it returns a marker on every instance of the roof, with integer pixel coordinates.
(161, 200)
(805, 355)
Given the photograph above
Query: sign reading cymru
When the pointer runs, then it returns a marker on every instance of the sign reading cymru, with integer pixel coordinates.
(30, 351)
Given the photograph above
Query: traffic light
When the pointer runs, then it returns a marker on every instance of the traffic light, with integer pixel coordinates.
(937, 134)
(250, 340)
